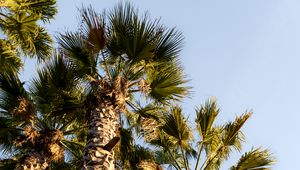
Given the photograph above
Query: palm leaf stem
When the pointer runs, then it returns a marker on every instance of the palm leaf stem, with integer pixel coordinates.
(134, 91)
(209, 160)
(172, 156)
(199, 154)
(67, 123)
(184, 159)
(133, 83)
(74, 130)
(106, 66)
(74, 153)
(7, 16)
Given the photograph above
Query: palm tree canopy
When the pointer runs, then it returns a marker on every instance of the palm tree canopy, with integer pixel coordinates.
(22, 33)
(26, 124)
(123, 44)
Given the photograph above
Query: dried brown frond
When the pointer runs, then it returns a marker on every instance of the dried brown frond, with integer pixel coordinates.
(149, 165)
(25, 110)
(31, 134)
(56, 152)
(149, 127)
(144, 87)
(56, 135)
(33, 161)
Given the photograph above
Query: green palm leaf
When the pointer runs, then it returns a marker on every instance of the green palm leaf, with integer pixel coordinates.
(57, 88)
(232, 135)
(206, 116)
(74, 46)
(167, 83)
(256, 159)
(177, 126)
(10, 60)
(22, 30)
(45, 9)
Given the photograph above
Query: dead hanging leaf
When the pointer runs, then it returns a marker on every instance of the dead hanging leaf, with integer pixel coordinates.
(149, 127)
(96, 39)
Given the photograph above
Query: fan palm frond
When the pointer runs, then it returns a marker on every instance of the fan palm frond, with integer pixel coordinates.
(176, 126)
(74, 46)
(42, 48)
(12, 93)
(169, 45)
(206, 116)
(10, 60)
(45, 9)
(56, 89)
(232, 135)
(93, 29)
(167, 83)
(255, 159)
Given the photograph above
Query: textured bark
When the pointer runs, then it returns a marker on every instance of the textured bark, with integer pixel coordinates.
(46, 149)
(103, 129)
(33, 161)
(103, 132)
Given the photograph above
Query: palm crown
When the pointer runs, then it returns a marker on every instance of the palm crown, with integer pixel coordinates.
(118, 55)
(21, 33)
(31, 135)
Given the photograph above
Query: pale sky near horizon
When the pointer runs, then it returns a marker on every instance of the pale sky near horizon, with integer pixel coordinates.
(246, 53)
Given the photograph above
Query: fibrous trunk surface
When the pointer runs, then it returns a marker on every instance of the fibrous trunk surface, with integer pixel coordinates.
(103, 132)
(103, 127)
(34, 161)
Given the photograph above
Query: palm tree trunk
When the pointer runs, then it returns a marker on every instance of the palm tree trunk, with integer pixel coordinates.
(103, 133)
(33, 161)
(103, 136)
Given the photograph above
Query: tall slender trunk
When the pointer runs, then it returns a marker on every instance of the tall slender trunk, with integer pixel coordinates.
(103, 132)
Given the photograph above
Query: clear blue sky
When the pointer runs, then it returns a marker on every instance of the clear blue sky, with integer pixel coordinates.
(246, 53)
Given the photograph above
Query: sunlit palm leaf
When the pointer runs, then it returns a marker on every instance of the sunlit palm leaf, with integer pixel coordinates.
(167, 83)
(10, 60)
(177, 126)
(206, 116)
(23, 31)
(42, 45)
(256, 159)
(232, 135)
(45, 9)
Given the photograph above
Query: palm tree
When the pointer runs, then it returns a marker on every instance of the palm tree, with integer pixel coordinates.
(31, 135)
(20, 30)
(121, 55)
(216, 141)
